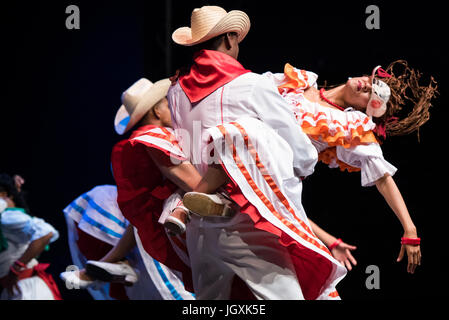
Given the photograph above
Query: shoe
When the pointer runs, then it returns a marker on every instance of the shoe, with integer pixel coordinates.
(119, 272)
(208, 205)
(175, 225)
(73, 281)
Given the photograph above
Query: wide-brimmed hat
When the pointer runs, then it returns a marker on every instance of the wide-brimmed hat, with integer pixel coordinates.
(210, 21)
(137, 100)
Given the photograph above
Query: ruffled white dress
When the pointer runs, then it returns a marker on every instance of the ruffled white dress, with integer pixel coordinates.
(343, 139)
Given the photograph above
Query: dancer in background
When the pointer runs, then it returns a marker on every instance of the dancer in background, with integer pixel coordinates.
(140, 164)
(22, 239)
(111, 264)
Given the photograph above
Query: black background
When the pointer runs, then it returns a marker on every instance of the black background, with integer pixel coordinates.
(62, 88)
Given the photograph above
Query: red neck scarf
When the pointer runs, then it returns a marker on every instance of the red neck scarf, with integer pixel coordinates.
(211, 70)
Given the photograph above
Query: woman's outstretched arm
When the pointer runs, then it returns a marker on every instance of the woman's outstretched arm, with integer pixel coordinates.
(389, 190)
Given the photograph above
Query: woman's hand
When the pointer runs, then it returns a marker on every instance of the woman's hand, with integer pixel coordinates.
(10, 283)
(19, 181)
(387, 187)
(413, 254)
(342, 252)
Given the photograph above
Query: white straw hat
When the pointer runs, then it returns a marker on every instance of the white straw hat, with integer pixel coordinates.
(210, 21)
(137, 100)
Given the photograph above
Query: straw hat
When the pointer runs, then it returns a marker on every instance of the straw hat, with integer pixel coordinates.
(137, 100)
(210, 21)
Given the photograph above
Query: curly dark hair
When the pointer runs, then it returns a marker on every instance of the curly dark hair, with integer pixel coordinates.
(410, 101)
(8, 185)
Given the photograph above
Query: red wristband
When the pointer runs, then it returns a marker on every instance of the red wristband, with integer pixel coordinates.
(17, 273)
(336, 243)
(411, 241)
(20, 264)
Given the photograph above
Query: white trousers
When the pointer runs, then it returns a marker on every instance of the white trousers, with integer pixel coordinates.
(221, 248)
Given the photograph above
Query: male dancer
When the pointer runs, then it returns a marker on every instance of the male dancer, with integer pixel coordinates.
(269, 244)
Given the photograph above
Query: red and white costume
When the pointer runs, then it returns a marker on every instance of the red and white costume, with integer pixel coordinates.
(19, 230)
(142, 191)
(269, 244)
(343, 139)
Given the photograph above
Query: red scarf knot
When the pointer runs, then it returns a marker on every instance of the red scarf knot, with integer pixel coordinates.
(210, 71)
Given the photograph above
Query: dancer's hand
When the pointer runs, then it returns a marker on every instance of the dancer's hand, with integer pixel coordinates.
(10, 283)
(19, 181)
(342, 252)
(413, 254)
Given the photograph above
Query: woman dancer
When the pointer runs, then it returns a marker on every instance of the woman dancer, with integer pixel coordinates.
(22, 239)
(346, 122)
(341, 127)
(98, 230)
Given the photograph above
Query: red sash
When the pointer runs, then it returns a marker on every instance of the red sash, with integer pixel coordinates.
(210, 71)
(39, 270)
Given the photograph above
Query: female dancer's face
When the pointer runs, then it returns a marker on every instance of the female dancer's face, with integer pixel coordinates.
(357, 92)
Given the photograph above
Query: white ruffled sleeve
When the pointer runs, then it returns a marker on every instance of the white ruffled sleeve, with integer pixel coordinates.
(22, 228)
(39, 228)
(369, 159)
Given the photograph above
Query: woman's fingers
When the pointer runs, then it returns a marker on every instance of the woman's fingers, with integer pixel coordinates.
(401, 254)
(351, 258)
(348, 246)
(348, 265)
(414, 259)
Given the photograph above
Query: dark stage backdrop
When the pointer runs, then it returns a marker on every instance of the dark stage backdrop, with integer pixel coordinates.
(63, 87)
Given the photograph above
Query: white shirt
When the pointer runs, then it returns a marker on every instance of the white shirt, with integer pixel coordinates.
(249, 95)
(20, 230)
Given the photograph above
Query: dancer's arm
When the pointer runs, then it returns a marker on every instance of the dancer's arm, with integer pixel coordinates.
(35, 248)
(341, 252)
(212, 180)
(387, 187)
(184, 175)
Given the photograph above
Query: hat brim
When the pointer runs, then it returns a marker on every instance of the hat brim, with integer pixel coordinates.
(234, 21)
(124, 121)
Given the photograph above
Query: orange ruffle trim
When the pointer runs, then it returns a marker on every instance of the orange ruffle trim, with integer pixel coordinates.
(293, 82)
(321, 130)
(328, 157)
